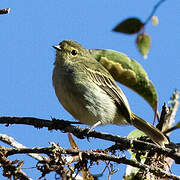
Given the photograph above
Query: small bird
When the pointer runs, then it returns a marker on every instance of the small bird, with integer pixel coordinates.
(89, 92)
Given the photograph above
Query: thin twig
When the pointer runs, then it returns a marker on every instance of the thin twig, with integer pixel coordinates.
(171, 129)
(10, 141)
(153, 11)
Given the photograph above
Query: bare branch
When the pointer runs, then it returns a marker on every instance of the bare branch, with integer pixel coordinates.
(93, 156)
(10, 141)
(65, 126)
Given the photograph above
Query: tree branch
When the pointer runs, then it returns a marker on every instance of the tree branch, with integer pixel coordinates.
(10, 141)
(92, 155)
(123, 143)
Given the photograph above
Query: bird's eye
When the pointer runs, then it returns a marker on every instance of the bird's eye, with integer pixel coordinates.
(73, 52)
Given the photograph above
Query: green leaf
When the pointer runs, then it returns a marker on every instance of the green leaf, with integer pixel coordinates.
(136, 134)
(129, 26)
(128, 72)
(143, 42)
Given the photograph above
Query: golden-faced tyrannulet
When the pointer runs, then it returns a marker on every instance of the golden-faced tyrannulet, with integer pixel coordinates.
(89, 93)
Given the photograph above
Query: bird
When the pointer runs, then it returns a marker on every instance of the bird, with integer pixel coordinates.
(90, 94)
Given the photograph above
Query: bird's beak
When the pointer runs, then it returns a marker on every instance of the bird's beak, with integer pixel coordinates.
(58, 48)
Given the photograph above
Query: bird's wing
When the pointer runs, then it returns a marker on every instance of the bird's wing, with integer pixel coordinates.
(107, 83)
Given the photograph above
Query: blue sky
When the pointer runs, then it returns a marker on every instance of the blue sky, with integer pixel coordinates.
(32, 27)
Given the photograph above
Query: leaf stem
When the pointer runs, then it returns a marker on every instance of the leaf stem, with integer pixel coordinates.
(154, 10)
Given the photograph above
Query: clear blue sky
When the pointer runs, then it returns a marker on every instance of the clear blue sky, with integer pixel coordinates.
(32, 27)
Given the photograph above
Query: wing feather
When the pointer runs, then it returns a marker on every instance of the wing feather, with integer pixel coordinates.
(109, 86)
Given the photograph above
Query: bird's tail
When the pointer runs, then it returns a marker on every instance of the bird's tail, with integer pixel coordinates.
(155, 134)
